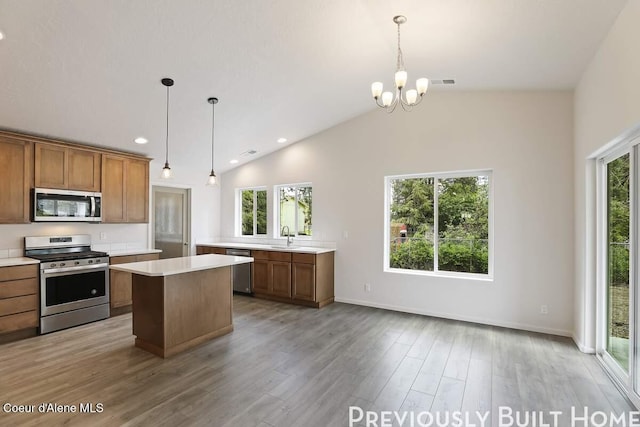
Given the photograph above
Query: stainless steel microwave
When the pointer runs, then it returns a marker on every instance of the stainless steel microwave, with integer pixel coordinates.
(65, 205)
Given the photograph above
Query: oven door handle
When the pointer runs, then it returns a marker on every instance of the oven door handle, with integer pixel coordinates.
(78, 268)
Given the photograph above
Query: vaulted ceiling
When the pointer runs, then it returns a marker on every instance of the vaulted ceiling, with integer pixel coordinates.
(90, 70)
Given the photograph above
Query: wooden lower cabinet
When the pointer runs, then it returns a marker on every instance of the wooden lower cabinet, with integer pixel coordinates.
(294, 277)
(19, 298)
(120, 282)
(202, 250)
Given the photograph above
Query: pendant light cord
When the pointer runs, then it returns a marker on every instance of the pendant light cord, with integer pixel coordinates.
(167, 136)
(213, 121)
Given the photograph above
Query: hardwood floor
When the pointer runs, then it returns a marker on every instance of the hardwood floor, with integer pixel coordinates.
(287, 365)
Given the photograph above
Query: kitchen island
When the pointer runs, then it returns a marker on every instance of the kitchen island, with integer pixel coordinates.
(179, 303)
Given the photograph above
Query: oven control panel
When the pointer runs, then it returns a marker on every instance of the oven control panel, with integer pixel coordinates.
(74, 263)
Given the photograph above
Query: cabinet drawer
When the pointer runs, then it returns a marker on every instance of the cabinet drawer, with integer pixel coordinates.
(18, 304)
(16, 288)
(147, 257)
(260, 254)
(304, 258)
(15, 322)
(122, 259)
(18, 272)
(280, 256)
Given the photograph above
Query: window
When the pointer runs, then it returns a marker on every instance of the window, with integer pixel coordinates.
(294, 209)
(253, 212)
(439, 223)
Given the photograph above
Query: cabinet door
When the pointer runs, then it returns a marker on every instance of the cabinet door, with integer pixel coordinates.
(120, 282)
(114, 208)
(304, 282)
(16, 160)
(281, 278)
(84, 170)
(137, 191)
(261, 277)
(51, 166)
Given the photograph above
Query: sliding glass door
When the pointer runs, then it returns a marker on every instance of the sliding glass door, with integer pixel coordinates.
(618, 282)
(618, 259)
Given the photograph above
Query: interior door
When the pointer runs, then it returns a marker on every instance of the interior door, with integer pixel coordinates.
(171, 221)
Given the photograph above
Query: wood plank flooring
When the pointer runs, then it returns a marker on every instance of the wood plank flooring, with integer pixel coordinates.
(286, 365)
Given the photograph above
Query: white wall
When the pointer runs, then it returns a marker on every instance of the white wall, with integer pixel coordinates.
(607, 104)
(525, 137)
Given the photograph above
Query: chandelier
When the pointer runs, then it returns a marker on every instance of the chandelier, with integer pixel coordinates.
(412, 96)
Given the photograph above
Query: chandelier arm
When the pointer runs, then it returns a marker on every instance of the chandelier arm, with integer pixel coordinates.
(378, 103)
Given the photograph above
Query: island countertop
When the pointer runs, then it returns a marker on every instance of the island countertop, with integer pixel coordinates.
(172, 266)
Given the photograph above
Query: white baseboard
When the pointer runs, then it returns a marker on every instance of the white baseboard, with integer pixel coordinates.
(582, 347)
(521, 326)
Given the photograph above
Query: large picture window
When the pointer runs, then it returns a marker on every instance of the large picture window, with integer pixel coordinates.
(439, 223)
(294, 210)
(253, 211)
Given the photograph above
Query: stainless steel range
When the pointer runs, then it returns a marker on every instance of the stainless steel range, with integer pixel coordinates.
(74, 280)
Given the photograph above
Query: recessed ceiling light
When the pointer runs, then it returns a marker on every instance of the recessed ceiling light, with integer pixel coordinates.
(282, 140)
(141, 140)
(233, 162)
(1, 35)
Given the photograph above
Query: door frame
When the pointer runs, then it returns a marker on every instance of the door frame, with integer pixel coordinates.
(186, 213)
(626, 381)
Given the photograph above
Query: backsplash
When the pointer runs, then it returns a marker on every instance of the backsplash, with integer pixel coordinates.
(104, 237)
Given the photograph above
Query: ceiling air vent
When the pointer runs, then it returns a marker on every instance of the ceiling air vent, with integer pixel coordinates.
(248, 153)
(442, 81)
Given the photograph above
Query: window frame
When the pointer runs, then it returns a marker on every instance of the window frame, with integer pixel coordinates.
(276, 202)
(436, 272)
(238, 212)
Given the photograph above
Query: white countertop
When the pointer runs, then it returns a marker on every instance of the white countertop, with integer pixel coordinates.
(11, 262)
(264, 247)
(126, 252)
(171, 266)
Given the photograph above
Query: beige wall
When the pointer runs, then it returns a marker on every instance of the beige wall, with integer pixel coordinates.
(607, 105)
(525, 137)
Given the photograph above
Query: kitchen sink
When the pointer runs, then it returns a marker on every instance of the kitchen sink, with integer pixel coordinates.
(284, 247)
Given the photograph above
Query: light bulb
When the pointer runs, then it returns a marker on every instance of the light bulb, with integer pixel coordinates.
(401, 79)
(412, 96)
(166, 172)
(422, 85)
(387, 97)
(212, 178)
(376, 89)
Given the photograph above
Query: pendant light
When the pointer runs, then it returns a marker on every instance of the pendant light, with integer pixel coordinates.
(166, 170)
(212, 176)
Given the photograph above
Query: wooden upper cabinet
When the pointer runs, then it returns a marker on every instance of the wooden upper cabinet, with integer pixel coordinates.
(84, 170)
(51, 166)
(137, 190)
(58, 166)
(114, 204)
(16, 179)
(125, 189)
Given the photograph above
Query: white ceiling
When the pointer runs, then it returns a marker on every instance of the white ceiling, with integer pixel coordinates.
(90, 70)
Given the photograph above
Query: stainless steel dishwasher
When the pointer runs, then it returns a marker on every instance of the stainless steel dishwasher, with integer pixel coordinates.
(241, 274)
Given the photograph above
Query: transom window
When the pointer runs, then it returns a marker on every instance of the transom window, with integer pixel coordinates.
(294, 205)
(439, 223)
(253, 211)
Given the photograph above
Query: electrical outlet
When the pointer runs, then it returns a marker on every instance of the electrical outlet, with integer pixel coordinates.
(544, 309)
(103, 235)
(367, 287)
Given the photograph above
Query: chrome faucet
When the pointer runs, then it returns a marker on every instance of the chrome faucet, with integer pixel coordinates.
(289, 240)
